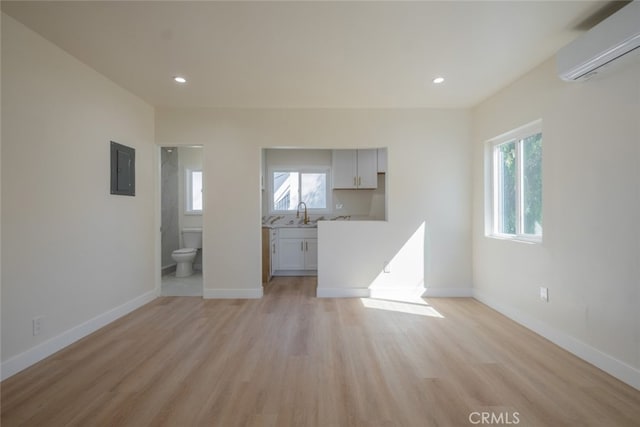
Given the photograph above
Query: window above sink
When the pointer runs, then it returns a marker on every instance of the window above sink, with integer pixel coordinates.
(290, 176)
(289, 187)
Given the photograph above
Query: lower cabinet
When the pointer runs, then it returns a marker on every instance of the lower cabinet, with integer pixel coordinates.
(311, 254)
(297, 249)
(266, 255)
(273, 247)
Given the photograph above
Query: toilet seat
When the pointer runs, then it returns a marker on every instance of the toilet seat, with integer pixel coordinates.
(185, 251)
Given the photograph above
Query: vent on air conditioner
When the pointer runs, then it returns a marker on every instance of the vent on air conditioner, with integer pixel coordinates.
(614, 39)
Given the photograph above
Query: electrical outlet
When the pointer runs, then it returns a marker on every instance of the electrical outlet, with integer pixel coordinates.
(386, 268)
(544, 294)
(339, 206)
(37, 325)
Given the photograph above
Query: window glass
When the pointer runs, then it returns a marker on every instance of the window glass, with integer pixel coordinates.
(193, 197)
(285, 191)
(506, 187)
(289, 188)
(532, 184)
(196, 190)
(314, 190)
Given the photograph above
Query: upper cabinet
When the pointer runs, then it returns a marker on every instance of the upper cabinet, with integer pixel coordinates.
(344, 169)
(382, 160)
(355, 169)
(263, 170)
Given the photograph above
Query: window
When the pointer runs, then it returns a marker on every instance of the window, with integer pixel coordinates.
(290, 187)
(516, 190)
(194, 192)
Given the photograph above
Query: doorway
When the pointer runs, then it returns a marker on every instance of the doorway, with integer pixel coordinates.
(181, 211)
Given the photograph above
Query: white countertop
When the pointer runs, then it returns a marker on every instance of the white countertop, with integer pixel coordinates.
(290, 221)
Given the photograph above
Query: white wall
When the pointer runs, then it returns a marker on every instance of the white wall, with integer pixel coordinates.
(590, 255)
(429, 182)
(71, 252)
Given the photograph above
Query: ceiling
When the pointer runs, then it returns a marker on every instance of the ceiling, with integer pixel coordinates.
(304, 54)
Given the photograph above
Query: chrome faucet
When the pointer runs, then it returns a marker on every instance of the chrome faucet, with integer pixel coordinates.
(306, 217)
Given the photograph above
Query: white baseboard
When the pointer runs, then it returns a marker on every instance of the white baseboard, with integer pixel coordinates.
(35, 354)
(168, 269)
(251, 293)
(392, 292)
(448, 293)
(614, 367)
(395, 293)
(342, 292)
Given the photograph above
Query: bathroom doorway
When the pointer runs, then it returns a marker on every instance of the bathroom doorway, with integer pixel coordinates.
(181, 209)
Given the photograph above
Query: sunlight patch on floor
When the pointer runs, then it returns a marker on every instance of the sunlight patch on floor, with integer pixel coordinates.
(417, 306)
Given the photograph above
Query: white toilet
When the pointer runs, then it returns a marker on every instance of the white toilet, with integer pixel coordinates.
(192, 241)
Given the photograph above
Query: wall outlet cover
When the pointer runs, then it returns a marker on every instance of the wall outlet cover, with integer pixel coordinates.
(544, 294)
(37, 325)
(386, 268)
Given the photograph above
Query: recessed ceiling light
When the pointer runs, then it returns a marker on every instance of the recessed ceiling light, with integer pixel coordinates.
(438, 80)
(179, 79)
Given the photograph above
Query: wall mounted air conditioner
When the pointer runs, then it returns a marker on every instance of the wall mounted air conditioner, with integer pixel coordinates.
(614, 40)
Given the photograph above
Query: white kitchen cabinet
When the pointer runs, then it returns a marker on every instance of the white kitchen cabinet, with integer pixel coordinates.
(311, 254)
(382, 160)
(368, 168)
(263, 170)
(297, 249)
(354, 169)
(343, 168)
(291, 254)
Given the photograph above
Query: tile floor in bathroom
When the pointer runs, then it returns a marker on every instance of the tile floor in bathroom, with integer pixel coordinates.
(173, 286)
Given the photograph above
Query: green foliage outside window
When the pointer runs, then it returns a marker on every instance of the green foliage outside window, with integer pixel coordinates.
(532, 184)
(508, 187)
(508, 173)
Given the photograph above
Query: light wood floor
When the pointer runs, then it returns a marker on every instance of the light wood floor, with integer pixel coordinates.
(291, 359)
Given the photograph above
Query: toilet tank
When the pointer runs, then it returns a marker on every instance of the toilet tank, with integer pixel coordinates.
(192, 238)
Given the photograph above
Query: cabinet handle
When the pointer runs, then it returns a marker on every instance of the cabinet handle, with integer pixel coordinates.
(359, 181)
(306, 246)
(302, 246)
(274, 248)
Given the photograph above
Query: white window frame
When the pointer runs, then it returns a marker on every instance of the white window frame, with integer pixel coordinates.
(492, 217)
(300, 171)
(188, 198)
